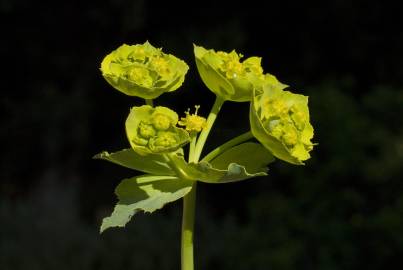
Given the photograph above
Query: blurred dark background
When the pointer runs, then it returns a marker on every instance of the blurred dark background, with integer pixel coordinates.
(343, 210)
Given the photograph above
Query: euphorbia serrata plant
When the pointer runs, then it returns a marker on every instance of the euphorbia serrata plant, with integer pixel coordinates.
(279, 121)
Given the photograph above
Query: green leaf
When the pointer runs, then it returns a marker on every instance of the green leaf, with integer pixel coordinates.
(152, 163)
(147, 193)
(253, 156)
(205, 172)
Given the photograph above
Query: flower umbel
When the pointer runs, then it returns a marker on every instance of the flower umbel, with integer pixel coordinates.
(280, 121)
(153, 130)
(143, 70)
(193, 122)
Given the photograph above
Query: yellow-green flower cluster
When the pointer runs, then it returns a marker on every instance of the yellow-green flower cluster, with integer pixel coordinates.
(280, 121)
(153, 130)
(143, 70)
(229, 77)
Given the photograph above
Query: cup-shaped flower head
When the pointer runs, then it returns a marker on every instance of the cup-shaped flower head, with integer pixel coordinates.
(280, 121)
(142, 70)
(225, 75)
(153, 130)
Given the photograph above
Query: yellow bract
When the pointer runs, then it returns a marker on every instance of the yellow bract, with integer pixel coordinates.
(254, 65)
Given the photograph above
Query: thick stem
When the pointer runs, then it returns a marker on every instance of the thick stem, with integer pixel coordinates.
(188, 219)
(235, 141)
(205, 132)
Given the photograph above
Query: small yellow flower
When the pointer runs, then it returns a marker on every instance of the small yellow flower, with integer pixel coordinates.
(139, 53)
(146, 131)
(161, 66)
(193, 122)
(166, 139)
(231, 65)
(161, 122)
(141, 75)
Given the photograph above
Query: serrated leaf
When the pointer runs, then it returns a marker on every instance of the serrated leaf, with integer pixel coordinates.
(152, 163)
(144, 193)
(253, 156)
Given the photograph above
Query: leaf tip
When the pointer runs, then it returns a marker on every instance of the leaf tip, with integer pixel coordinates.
(100, 155)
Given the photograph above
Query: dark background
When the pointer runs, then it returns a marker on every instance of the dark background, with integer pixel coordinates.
(343, 210)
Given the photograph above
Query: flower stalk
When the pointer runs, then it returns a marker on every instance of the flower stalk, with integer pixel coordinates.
(149, 102)
(188, 220)
(205, 132)
(189, 201)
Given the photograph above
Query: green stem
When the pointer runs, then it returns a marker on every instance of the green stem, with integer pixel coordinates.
(205, 132)
(188, 219)
(149, 102)
(192, 147)
(189, 201)
(235, 141)
(179, 171)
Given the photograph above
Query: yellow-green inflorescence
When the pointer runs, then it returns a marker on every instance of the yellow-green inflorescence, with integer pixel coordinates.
(229, 77)
(193, 123)
(143, 70)
(280, 121)
(153, 130)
